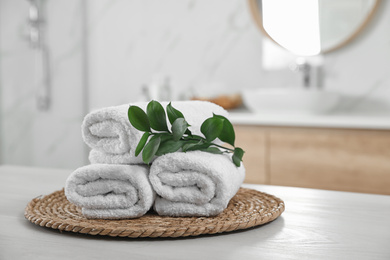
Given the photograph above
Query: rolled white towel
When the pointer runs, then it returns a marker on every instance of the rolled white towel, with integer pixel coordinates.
(111, 191)
(194, 183)
(113, 139)
(96, 156)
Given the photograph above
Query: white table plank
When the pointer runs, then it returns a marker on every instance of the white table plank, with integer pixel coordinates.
(317, 224)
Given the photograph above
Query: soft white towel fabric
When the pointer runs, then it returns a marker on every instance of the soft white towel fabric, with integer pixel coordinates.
(194, 183)
(113, 139)
(111, 191)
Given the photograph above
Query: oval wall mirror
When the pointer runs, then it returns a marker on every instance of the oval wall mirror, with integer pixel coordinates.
(309, 27)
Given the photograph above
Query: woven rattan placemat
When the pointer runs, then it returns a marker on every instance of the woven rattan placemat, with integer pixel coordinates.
(247, 209)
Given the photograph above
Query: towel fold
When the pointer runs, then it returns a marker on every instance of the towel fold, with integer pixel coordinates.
(113, 139)
(111, 191)
(194, 183)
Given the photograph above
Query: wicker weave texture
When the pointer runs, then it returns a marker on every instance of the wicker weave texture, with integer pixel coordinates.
(247, 209)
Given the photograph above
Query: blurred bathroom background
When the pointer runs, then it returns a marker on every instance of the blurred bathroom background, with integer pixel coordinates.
(94, 53)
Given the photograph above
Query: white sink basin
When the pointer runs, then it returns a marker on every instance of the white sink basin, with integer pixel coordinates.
(294, 101)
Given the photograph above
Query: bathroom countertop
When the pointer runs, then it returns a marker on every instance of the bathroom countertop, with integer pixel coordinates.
(317, 224)
(347, 120)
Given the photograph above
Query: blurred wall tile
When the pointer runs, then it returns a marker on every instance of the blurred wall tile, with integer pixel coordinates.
(30, 137)
(198, 43)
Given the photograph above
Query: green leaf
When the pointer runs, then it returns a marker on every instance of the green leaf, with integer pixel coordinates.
(150, 149)
(190, 144)
(212, 150)
(188, 132)
(157, 117)
(169, 146)
(173, 113)
(200, 146)
(138, 119)
(237, 156)
(178, 128)
(198, 137)
(227, 134)
(165, 136)
(212, 128)
(181, 137)
(141, 143)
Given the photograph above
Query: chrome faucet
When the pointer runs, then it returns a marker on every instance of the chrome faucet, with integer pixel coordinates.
(304, 67)
(311, 76)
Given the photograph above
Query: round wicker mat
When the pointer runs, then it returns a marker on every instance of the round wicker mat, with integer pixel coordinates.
(247, 209)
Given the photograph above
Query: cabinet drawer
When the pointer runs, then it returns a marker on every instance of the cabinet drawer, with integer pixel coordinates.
(349, 160)
(253, 140)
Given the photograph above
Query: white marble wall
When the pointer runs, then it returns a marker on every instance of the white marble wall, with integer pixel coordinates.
(202, 43)
(196, 43)
(29, 136)
(361, 69)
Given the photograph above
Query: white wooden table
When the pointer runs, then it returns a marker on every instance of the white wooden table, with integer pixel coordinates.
(317, 224)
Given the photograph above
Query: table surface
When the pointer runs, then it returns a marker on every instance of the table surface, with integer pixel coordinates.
(317, 224)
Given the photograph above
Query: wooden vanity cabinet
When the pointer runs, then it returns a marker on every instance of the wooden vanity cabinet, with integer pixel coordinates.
(252, 140)
(335, 159)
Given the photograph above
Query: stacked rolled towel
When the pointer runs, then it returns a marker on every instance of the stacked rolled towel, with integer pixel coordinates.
(194, 183)
(117, 185)
(113, 139)
(111, 191)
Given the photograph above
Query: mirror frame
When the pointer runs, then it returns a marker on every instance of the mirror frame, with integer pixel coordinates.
(256, 15)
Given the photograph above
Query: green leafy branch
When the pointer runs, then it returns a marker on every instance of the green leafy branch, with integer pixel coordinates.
(158, 139)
